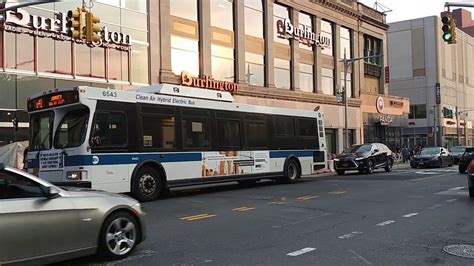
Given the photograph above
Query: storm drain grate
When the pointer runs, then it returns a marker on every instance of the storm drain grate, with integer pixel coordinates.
(466, 251)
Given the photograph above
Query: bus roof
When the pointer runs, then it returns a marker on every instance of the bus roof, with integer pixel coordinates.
(172, 95)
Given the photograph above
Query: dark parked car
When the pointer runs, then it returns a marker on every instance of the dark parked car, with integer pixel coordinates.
(364, 158)
(457, 152)
(470, 179)
(432, 157)
(465, 160)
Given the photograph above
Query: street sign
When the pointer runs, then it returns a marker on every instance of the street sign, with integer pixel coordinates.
(387, 74)
(438, 93)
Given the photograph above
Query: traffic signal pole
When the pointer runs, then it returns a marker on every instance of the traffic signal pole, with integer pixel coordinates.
(454, 4)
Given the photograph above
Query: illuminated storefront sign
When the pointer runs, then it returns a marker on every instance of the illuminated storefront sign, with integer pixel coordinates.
(20, 21)
(303, 34)
(207, 82)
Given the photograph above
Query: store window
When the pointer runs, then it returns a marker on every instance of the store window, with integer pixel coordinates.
(254, 69)
(282, 74)
(118, 65)
(345, 39)
(327, 31)
(253, 18)
(417, 111)
(306, 22)
(348, 86)
(306, 78)
(327, 80)
(184, 55)
(20, 53)
(280, 13)
(140, 64)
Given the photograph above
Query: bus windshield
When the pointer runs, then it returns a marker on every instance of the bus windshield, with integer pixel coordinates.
(41, 126)
(71, 132)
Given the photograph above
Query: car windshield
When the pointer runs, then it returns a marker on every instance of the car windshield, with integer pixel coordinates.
(72, 130)
(429, 151)
(469, 152)
(458, 149)
(359, 149)
(41, 131)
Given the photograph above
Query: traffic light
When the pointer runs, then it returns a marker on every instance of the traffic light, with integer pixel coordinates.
(449, 28)
(75, 23)
(92, 27)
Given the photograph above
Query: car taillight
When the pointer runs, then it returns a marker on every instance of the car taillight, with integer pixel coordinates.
(470, 168)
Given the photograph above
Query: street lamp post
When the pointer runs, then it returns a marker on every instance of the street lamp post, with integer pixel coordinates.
(347, 63)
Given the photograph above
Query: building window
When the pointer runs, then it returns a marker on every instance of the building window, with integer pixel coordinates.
(282, 74)
(222, 14)
(306, 78)
(449, 112)
(279, 13)
(222, 52)
(140, 64)
(306, 23)
(327, 31)
(254, 44)
(348, 86)
(345, 42)
(184, 55)
(253, 18)
(417, 111)
(254, 69)
(372, 47)
(327, 78)
(222, 62)
(186, 9)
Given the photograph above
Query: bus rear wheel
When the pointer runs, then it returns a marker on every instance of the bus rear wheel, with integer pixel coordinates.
(292, 172)
(147, 184)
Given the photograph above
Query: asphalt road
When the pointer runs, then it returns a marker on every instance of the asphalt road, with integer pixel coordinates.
(401, 218)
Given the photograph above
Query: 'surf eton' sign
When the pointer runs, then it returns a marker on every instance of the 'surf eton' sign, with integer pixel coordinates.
(303, 34)
(20, 21)
(207, 82)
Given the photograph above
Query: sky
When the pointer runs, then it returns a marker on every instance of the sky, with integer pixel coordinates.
(410, 9)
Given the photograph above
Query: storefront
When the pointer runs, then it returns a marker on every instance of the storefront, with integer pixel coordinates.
(37, 54)
(384, 118)
(280, 53)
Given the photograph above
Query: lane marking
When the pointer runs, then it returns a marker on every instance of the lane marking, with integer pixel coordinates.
(337, 192)
(456, 188)
(277, 202)
(352, 234)
(300, 252)
(410, 215)
(244, 209)
(360, 257)
(434, 206)
(385, 223)
(310, 218)
(307, 198)
(431, 177)
(451, 200)
(197, 217)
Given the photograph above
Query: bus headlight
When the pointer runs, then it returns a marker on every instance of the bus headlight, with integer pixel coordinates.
(76, 175)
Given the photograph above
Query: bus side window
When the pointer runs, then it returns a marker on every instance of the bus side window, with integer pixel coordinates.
(110, 129)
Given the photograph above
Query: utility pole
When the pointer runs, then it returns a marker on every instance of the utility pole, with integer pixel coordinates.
(347, 63)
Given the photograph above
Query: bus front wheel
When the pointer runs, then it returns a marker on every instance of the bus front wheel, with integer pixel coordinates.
(147, 184)
(292, 172)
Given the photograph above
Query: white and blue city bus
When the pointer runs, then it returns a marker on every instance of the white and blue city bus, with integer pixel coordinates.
(166, 136)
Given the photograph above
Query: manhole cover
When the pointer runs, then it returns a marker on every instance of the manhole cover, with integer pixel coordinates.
(466, 251)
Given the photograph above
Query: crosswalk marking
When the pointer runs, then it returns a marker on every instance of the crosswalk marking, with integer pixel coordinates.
(385, 223)
(352, 234)
(300, 252)
(410, 215)
(243, 209)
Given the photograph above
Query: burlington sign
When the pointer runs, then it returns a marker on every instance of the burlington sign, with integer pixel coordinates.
(20, 21)
(303, 34)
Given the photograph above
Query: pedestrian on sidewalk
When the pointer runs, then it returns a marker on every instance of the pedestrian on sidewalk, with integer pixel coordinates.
(405, 155)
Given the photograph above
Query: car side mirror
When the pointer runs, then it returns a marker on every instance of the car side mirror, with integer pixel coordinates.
(376, 150)
(51, 192)
(443, 153)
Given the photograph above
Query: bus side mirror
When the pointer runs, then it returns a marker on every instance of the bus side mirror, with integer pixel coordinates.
(95, 141)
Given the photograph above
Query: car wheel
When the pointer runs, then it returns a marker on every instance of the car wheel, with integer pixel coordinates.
(119, 236)
(292, 172)
(462, 170)
(388, 165)
(340, 172)
(147, 185)
(471, 192)
(370, 167)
